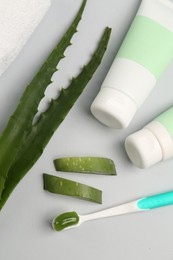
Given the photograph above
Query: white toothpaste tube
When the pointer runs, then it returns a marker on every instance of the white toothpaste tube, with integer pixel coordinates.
(143, 56)
(152, 144)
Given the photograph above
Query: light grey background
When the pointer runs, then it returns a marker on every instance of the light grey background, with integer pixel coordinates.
(25, 231)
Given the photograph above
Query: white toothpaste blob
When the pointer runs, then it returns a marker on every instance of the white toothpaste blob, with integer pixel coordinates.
(143, 57)
(18, 20)
(152, 144)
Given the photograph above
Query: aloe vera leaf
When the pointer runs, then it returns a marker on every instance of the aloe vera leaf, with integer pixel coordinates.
(98, 165)
(20, 122)
(63, 186)
(51, 119)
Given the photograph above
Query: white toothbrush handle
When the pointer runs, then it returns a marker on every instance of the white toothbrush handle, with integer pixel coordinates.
(147, 203)
(126, 208)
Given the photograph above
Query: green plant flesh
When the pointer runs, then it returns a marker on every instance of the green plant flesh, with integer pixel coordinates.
(65, 220)
(63, 186)
(97, 165)
(22, 143)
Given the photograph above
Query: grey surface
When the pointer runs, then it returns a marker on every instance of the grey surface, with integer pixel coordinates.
(25, 231)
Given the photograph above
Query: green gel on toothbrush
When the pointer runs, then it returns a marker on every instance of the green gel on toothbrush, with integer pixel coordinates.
(65, 220)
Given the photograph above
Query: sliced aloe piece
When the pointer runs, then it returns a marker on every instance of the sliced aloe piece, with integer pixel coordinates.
(63, 186)
(97, 165)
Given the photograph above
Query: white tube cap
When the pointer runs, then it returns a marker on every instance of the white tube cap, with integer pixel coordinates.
(143, 148)
(113, 108)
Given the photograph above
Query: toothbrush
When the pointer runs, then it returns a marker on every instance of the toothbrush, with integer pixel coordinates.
(72, 219)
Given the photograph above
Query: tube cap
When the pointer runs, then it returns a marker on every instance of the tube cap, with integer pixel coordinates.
(113, 108)
(143, 148)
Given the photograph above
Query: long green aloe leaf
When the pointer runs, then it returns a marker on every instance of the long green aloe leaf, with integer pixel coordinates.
(20, 122)
(51, 119)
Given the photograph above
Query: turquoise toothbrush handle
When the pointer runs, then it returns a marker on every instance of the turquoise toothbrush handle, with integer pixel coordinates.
(156, 201)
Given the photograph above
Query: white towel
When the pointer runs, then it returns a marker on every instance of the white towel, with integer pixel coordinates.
(18, 20)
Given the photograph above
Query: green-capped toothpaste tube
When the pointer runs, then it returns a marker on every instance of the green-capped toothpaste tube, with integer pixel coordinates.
(142, 58)
(154, 143)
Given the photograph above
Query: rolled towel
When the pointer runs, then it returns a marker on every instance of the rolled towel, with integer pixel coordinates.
(18, 20)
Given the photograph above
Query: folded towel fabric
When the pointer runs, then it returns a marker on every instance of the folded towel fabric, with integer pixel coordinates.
(18, 20)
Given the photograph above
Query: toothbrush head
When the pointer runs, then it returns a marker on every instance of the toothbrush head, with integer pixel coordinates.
(65, 221)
